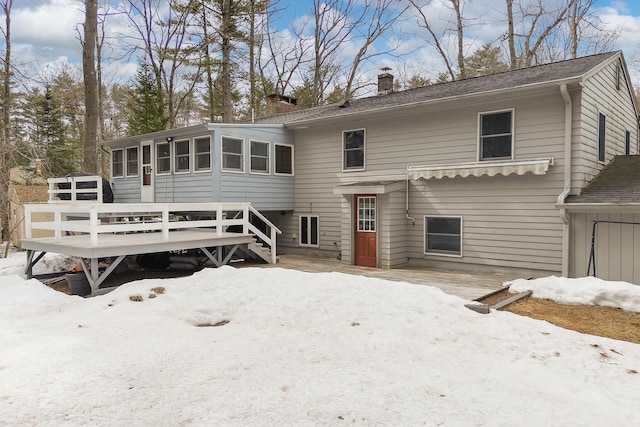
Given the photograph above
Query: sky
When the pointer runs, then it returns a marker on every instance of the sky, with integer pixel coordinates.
(278, 347)
(56, 38)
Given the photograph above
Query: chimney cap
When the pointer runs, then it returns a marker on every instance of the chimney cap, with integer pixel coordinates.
(386, 69)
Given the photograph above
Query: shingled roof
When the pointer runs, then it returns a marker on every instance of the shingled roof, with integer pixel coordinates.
(617, 183)
(557, 71)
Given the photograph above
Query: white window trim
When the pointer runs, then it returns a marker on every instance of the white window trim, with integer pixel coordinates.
(195, 154)
(155, 161)
(251, 171)
(126, 162)
(513, 135)
(293, 165)
(424, 236)
(603, 161)
(364, 151)
(311, 245)
(174, 157)
(123, 163)
(242, 155)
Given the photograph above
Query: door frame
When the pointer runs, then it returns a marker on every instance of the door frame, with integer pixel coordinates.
(147, 175)
(356, 218)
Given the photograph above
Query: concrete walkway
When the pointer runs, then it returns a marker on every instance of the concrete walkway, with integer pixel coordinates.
(465, 285)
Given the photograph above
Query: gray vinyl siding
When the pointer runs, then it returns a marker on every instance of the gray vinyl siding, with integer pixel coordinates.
(600, 95)
(126, 190)
(617, 249)
(264, 192)
(508, 221)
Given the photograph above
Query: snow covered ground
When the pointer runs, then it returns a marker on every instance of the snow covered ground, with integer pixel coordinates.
(293, 348)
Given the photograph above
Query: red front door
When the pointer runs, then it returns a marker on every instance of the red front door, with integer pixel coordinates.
(366, 248)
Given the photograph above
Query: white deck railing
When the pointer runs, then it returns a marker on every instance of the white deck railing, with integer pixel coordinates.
(74, 192)
(99, 218)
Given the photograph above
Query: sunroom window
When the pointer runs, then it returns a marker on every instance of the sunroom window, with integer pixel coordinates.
(182, 160)
(259, 157)
(232, 154)
(284, 159)
(132, 161)
(202, 153)
(163, 158)
(117, 165)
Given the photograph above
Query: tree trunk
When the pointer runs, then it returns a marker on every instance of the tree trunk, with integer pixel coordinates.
(90, 87)
(5, 142)
(227, 113)
(511, 36)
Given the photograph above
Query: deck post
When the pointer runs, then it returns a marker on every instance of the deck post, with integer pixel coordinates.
(274, 258)
(165, 222)
(219, 220)
(57, 218)
(27, 222)
(93, 224)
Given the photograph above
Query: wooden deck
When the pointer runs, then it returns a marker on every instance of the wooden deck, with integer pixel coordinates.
(95, 230)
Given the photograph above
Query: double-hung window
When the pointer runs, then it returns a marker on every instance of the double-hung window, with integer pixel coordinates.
(309, 230)
(182, 156)
(627, 142)
(132, 161)
(117, 164)
(163, 158)
(496, 135)
(259, 157)
(443, 235)
(202, 149)
(602, 137)
(353, 146)
(283, 159)
(232, 154)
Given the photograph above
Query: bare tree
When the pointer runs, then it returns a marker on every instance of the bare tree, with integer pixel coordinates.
(5, 138)
(437, 39)
(161, 30)
(538, 20)
(90, 86)
(585, 28)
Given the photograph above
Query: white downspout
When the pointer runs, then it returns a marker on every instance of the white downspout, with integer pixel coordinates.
(564, 216)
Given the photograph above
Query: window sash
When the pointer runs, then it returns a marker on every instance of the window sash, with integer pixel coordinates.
(117, 163)
(602, 136)
(353, 145)
(496, 135)
(309, 230)
(443, 235)
(132, 161)
(202, 153)
(182, 156)
(232, 154)
(163, 158)
(283, 159)
(259, 157)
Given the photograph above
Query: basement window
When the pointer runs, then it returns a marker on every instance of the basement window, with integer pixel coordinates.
(309, 230)
(443, 235)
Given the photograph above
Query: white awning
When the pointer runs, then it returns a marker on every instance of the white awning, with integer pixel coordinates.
(518, 167)
(370, 187)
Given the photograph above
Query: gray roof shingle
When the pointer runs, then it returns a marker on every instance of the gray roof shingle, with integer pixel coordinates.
(557, 71)
(618, 183)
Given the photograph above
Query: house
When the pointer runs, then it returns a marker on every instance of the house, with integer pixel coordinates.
(472, 174)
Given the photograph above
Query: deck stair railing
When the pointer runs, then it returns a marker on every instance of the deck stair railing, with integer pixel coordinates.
(99, 218)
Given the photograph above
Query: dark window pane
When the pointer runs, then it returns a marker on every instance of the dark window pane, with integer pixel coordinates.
(304, 230)
(496, 146)
(182, 147)
(232, 162)
(443, 243)
(314, 230)
(203, 161)
(354, 159)
(354, 139)
(627, 143)
(259, 149)
(494, 124)
(443, 225)
(259, 164)
(284, 159)
(602, 126)
(232, 145)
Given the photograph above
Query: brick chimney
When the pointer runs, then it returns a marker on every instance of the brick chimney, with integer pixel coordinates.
(277, 103)
(385, 81)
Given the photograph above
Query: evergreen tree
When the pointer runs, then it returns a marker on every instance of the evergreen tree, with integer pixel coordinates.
(145, 104)
(58, 152)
